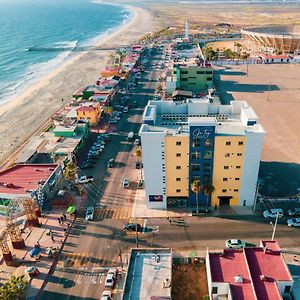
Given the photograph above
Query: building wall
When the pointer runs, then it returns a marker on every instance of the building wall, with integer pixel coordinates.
(193, 77)
(252, 157)
(153, 161)
(91, 116)
(177, 179)
(228, 179)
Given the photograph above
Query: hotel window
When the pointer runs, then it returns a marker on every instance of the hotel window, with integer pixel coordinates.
(228, 143)
(208, 143)
(178, 143)
(200, 72)
(225, 179)
(178, 154)
(227, 154)
(224, 191)
(236, 190)
(209, 78)
(195, 143)
(226, 167)
(178, 167)
(215, 290)
(196, 155)
(178, 179)
(207, 154)
(236, 179)
(178, 190)
(195, 167)
(239, 154)
(241, 143)
(238, 167)
(206, 167)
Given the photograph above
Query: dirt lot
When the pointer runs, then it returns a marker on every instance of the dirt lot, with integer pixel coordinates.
(189, 282)
(274, 93)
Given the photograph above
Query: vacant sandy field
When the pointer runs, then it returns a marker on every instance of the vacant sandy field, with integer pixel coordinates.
(273, 92)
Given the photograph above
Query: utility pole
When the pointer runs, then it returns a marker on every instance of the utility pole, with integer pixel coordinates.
(274, 226)
(120, 255)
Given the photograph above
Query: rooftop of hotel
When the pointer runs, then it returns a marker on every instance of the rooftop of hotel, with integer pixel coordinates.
(146, 274)
(231, 267)
(169, 116)
(22, 179)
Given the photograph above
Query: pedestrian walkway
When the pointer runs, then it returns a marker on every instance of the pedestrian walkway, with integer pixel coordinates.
(87, 260)
(119, 213)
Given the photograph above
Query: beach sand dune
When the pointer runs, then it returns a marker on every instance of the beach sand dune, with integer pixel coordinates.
(23, 115)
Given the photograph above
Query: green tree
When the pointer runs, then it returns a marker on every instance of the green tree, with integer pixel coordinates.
(208, 190)
(14, 288)
(138, 155)
(70, 171)
(209, 53)
(196, 188)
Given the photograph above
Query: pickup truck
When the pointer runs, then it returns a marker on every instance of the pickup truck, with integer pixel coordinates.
(84, 179)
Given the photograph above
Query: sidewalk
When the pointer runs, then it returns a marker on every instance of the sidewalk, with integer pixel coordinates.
(140, 210)
(31, 236)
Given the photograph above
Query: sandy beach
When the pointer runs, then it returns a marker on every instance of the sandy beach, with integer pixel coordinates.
(23, 115)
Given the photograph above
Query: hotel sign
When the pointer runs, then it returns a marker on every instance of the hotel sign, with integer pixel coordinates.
(201, 135)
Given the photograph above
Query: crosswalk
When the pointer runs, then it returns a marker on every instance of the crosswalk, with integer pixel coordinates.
(119, 213)
(93, 277)
(87, 260)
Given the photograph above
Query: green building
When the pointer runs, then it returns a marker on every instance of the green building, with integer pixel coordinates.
(193, 77)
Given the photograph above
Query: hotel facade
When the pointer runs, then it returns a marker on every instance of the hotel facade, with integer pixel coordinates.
(219, 145)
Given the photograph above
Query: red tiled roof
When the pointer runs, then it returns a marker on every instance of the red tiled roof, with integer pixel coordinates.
(266, 56)
(225, 267)
(22, 178)
(266, 268)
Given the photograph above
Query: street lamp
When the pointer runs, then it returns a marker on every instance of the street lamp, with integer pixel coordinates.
(274, 226)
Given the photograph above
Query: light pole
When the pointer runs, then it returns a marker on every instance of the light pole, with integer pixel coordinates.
(274, 226)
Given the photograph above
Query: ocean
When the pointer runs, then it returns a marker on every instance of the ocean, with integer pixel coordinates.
(36, 36)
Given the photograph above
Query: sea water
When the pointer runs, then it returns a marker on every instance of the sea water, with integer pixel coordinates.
(38, 35)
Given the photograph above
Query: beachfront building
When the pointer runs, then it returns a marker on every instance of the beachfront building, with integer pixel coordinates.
(89, 111)
(39, 181)
(149, 274)
(273, 59)
(220, 145)
(254, 273)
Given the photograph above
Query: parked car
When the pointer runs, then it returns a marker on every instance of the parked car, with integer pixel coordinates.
(130, 135)
(133, 227)
(125, 183)
(106, 295)
(84, 179)
(294, 211)
(110, 281)
(236, 244)
(113, 272)
(111, 163)
(272, 213)
(125, 109)
(89, 214)
(295, 222)
(137, 142)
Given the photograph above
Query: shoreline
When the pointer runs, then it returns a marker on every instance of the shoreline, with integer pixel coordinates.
(22, 116)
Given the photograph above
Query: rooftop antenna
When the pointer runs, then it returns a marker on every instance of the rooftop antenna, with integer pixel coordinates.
(187, 28)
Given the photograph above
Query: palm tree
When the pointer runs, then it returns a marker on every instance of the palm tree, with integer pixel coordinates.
(208, 190)
(138, 155)
(14, 288)
(196, 187)
(70, 171)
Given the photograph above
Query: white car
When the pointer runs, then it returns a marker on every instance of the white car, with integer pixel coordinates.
(294, 211)
(125, 183)
(106, 295)
(113, 272)
(273, 212)
(110, 281)
(84, 179)
(294, 222)
(89, 215)
(125, 109)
